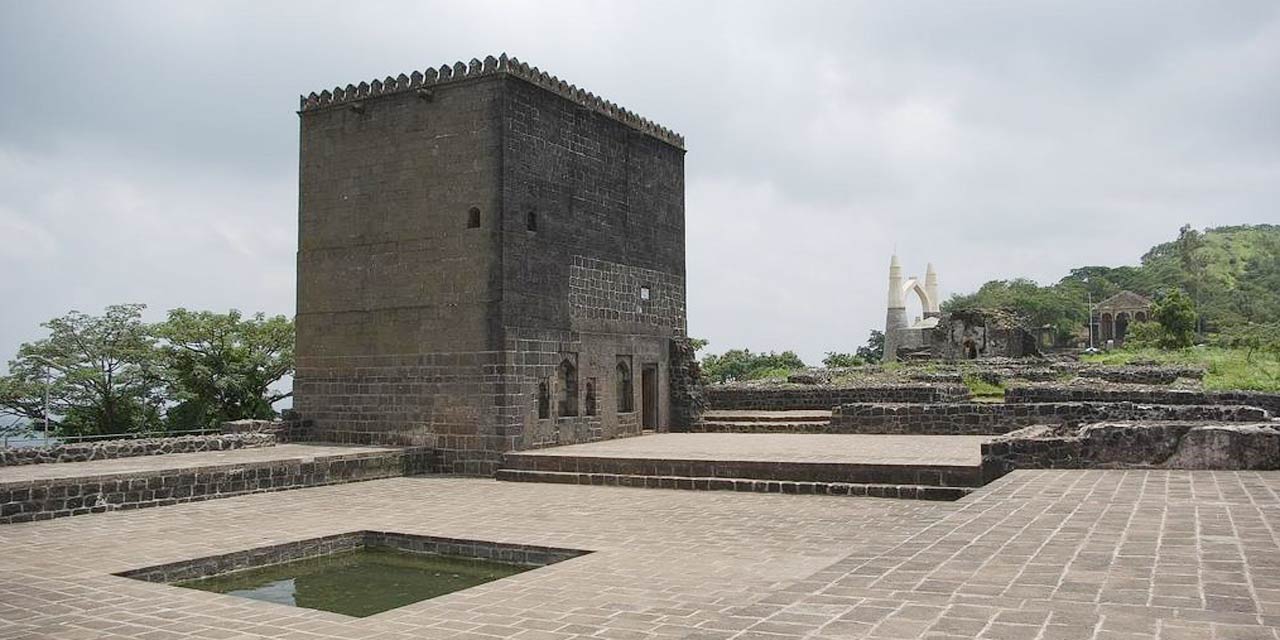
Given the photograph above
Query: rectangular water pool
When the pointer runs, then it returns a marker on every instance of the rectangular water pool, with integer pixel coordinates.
(359, 582)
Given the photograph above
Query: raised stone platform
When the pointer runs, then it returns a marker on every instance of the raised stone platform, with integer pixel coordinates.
(926, 467)
(1038, 555)
(44, 491)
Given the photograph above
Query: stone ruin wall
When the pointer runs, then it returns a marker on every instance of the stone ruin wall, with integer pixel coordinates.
(128, 448)
(789, 397)
(1136, 445)
(1054, 393)
(995, 419)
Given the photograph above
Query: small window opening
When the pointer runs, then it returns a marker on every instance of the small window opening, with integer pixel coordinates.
(473, 218)
(532, 221)
(644, 293)
(624, 390)
(567, 377)
(591, 397)
(544, 401)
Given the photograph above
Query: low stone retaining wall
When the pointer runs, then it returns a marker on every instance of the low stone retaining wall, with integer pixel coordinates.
(1047, 393)
(995, 419)
(128, 448)
(1129, 445)
(1139, 374)
(793, 397)
(58, 497)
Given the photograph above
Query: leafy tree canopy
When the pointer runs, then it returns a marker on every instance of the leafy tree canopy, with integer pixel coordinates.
(220, 366)
(742, 364)
(1230, 274)
(113, 373)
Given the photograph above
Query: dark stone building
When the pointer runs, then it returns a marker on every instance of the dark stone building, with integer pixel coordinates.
(489, 259)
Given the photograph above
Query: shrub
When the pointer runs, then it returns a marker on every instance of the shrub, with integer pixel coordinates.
(841, 360)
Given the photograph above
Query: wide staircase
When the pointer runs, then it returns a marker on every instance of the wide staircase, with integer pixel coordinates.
(917, 467)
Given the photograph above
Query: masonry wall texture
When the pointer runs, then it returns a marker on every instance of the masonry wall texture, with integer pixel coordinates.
(488, 258)
(794, 397)
(995, 419)
(1136, 445)
(69, 496)
(1053, 393)
(107, 449)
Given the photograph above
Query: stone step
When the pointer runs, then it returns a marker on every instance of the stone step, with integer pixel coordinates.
(777, 470)
(698, 483)
(760, 427)
(767, 416)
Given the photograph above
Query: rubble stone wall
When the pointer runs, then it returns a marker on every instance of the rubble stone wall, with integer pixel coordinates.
(1048, 393)
(790, 397)
(1136, 445)
(128, 448)
(996, 419)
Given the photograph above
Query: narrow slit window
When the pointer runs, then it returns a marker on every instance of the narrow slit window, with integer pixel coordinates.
(473, 218)
(532, 221)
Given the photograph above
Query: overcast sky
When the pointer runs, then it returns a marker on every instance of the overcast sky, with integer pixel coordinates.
(148, 151)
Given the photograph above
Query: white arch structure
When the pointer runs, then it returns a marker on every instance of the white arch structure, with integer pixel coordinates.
(897, 331)
(899, 288)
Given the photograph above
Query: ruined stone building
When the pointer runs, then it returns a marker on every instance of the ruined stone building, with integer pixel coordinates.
(962, 334)
(489, 259)
(1111, 317)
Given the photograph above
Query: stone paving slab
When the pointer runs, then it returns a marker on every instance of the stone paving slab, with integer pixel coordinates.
(147, 464)
(1037, 555)
(785, 447)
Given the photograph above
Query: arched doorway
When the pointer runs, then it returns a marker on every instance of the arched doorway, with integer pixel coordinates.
(1122, 326)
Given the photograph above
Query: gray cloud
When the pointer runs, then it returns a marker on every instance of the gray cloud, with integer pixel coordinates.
(148, 150)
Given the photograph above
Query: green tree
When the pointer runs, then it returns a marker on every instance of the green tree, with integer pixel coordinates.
(1058, 307)
(99, 373)
(221, 366)
(873, 351)
(1176, 314)
(742, 364)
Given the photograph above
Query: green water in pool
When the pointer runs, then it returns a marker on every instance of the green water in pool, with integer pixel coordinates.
(358, 583)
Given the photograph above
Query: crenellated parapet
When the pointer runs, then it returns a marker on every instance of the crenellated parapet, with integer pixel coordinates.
(423, 82)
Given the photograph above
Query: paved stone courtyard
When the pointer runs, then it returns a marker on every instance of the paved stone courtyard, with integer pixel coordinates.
(1036, 555)
(785, 447)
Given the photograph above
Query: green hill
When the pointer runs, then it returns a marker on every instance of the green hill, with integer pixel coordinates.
(1232, 274)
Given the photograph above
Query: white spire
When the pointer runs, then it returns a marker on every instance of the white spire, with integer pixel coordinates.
(931, 289)
(895, 284)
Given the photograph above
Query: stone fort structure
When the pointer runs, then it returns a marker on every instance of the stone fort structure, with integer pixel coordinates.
(490, 259)
(898, 332)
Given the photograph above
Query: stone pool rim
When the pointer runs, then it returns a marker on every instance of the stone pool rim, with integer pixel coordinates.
(269, 555)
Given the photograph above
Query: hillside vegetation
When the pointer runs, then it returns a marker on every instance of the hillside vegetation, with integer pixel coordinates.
(1232, 275)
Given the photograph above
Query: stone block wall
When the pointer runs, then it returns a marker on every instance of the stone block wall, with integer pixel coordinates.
(688, 394)
(995, 419)
(1053, 393)
(69, 496)
(127, 448)
(1136, 445)
(791, 397)
(1140, 374)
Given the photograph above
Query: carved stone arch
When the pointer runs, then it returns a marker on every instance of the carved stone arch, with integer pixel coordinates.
(913, 285)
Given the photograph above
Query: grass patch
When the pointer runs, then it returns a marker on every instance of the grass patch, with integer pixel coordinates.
(1225, 369)
(979, 388)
